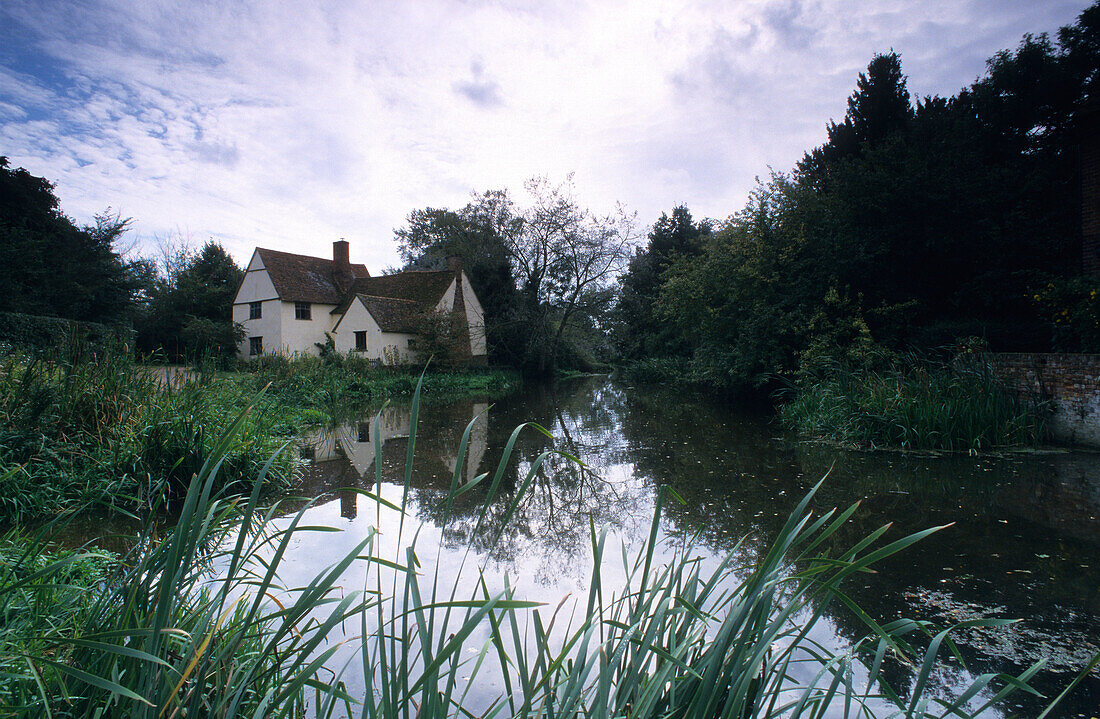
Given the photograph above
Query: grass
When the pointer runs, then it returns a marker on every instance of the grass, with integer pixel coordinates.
(196, 623)
(918, 406)
(104, 430)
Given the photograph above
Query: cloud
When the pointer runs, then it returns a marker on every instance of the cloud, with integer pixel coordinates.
(479, 89)
(289, 125)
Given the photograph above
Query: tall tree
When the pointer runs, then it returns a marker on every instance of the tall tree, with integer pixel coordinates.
(564, 256)
(879, 106)
(49, 266)
(541, 271)
(474, 232)
(639, 332)
(190, 311)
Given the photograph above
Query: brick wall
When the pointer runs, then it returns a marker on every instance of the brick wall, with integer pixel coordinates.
(1071, 381)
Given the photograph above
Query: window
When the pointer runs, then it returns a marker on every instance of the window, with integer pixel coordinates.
(301, 311)
(255, 346)
(361, 340)
(364, 431)
(255, 310)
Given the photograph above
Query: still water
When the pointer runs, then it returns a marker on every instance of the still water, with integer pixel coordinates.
(1023, 541)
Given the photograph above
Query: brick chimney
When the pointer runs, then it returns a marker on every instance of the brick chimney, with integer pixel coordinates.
(341, 265)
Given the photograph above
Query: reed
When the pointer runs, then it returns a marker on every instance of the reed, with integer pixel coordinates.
(196, 623)
(103, 430)
(916, 405)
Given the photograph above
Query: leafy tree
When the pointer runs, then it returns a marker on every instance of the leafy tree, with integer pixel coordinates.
(49, 266)
(564, 257)
(189, 312)
(475, 233)
(639, 333)
(541, 272)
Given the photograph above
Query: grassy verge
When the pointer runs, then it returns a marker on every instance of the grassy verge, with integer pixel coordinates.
(102, 430)
(950, 407)
(197, 624)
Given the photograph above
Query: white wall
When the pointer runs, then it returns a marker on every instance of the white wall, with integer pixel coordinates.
(356, 319)
(300, 336)
(257, 287)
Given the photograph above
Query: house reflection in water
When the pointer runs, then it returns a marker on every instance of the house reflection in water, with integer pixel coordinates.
(344, 458)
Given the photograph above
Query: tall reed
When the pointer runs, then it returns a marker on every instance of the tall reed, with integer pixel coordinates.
(196, 623)
(916, 405)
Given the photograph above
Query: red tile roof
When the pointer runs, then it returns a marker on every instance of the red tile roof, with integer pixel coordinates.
(300, 278)
(391, 314)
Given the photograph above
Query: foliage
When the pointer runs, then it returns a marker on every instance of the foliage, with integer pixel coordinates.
(51, 334)
(658, 370)
(545, 268)
(190, 306)
(474, 233)
(914, 225)
(639, 332)
(77, 429)
(960, 406)
(1073, 306)
(49, 266)
(674, 639)
(444, 338)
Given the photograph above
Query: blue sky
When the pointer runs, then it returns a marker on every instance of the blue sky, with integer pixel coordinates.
(289, 125)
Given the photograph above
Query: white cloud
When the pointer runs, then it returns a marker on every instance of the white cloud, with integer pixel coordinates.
(289, 125)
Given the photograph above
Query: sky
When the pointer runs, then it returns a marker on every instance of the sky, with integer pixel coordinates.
(290, 125)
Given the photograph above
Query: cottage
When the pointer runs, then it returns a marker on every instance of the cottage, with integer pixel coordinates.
(287, 303)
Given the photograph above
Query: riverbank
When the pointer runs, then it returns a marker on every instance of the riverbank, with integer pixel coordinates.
(165, 640)
(905, 404)
(106, 431)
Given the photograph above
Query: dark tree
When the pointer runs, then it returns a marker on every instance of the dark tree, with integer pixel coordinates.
(49, 266)
(475, 233)
(639, 332)
(189, 313)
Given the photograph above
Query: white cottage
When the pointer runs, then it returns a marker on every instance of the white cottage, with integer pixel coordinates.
(287, 303)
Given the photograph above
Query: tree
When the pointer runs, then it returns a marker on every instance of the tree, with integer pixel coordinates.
(639, 333)
(879, 106)
(49, 266)
(475, 233)
(563, 254)
(541, 272)
(190, 311)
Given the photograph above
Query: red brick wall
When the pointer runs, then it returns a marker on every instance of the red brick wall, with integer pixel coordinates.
(1072, 381)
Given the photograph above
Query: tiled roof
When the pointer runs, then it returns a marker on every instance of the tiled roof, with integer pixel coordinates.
(392, 314)
(300, 278)
(424, 288)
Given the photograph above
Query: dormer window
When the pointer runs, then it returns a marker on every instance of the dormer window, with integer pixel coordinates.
(302, 311)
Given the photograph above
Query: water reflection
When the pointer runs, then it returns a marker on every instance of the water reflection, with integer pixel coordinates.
(1021, 541)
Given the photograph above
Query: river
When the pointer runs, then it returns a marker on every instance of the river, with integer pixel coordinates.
(1022, 542)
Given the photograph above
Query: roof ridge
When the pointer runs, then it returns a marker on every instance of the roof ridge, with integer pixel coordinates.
(385, 297)
(293, 254)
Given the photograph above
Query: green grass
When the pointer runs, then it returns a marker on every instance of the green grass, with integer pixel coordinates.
(195, 623)
(104, 430)
(951, 407)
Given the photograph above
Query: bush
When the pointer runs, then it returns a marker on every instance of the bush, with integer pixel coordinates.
(53, 334)
(1073, 306)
